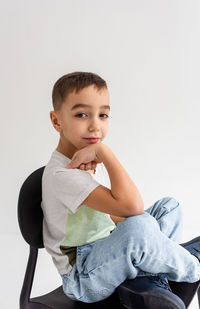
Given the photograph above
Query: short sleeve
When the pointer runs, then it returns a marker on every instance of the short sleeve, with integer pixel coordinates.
(72, 186)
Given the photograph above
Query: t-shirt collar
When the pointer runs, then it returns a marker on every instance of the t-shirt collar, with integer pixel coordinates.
(61, 156)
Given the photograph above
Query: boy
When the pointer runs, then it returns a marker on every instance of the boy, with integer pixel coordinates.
(95, 226)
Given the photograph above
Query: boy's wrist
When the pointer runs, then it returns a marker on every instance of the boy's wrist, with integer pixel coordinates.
(101, 148)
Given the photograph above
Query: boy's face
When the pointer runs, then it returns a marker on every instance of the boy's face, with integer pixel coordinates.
(75, 124)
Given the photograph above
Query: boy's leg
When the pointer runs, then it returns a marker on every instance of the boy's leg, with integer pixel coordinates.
(136, 247)
(168, 213)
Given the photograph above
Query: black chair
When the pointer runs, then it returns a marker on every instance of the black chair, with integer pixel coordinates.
(30, 218)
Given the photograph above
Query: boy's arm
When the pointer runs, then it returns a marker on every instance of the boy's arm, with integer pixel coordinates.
(123, 188)
(123, 199)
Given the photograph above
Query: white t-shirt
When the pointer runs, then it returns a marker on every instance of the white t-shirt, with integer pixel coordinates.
(67, 222)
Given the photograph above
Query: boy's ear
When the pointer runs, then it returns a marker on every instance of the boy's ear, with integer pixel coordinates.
(55, 121)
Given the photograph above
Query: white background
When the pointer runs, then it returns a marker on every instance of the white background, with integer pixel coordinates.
(148, 52)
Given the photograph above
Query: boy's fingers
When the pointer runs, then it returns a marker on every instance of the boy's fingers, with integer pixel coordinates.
(93, 166)
(75, 164)
(94, 163)
(88, 166)
(82, 166)
(72, 164)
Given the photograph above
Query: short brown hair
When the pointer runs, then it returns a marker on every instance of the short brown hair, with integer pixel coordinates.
(74, 82)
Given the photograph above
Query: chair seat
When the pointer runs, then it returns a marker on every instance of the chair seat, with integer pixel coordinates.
(58, 300)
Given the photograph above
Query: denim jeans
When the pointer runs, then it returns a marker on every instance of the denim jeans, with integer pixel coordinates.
(141, 245)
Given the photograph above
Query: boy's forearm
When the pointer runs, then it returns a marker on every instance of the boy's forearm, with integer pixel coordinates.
(122, 186)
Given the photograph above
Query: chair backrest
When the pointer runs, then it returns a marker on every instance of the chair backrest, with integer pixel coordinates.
(30, 215)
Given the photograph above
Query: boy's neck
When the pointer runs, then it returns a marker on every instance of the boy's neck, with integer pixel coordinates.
(67, 151)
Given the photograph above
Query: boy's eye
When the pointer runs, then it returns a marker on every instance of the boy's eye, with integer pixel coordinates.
(80, 114)
(107, 116)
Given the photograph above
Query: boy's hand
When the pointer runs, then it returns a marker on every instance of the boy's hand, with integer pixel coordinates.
(89, 166)
(85, 158)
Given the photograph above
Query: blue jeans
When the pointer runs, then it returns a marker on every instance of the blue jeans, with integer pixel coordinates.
(142, 245)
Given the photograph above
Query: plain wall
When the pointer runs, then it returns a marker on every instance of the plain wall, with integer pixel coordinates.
(148, 52)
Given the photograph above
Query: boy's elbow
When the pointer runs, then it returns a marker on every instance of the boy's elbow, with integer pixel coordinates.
(137, 210)
(131, 209)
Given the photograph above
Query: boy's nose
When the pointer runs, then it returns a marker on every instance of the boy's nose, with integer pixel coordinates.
(94, 125)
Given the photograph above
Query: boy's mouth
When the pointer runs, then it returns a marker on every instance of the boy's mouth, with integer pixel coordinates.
(93, 140)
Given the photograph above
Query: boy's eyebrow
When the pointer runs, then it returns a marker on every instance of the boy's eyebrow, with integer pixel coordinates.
(85, 105)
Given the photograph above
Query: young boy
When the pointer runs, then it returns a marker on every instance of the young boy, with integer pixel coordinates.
(95, 226)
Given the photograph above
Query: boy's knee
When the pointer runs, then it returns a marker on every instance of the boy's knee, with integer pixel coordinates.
(138, 230)
(141, 225)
